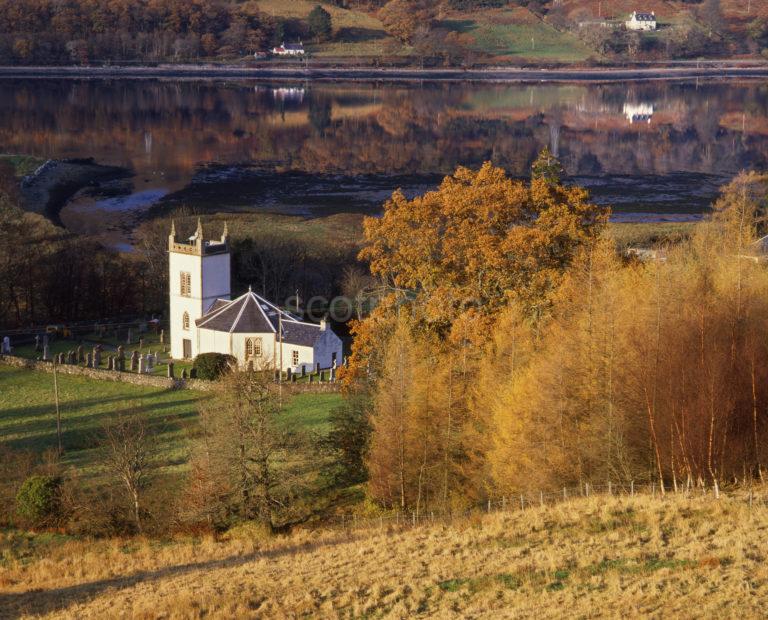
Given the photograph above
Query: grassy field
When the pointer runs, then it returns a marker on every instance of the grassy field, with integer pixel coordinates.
(27, 415)
(646, 235)
(592, 557)
(355, 32)
(515, 34)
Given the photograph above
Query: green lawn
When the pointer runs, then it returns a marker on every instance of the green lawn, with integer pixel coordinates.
(28, 421)
(512, 35)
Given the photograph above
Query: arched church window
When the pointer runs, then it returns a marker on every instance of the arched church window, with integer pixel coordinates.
(185, 321)
(252, 347)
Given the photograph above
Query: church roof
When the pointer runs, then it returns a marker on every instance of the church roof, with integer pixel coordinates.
(252, 314)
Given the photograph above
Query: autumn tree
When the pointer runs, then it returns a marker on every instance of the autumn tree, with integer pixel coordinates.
(459, 254)
(402, 18)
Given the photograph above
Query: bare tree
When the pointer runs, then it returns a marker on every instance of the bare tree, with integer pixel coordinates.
(240, 467)
(128, 447)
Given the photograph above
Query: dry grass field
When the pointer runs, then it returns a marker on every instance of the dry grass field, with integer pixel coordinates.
(597, 557)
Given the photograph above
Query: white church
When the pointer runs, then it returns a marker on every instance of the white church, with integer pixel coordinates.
(203, 318)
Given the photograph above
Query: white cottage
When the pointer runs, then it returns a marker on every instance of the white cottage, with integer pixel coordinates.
(641, 21)
(203, 318)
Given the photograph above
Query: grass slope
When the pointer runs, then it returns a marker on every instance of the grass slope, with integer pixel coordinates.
(517, 34)
(28, 420)
(355, 32)
(595, 557)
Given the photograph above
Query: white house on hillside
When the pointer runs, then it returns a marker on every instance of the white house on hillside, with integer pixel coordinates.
(641, 21)
(289, 49)
(203, 319)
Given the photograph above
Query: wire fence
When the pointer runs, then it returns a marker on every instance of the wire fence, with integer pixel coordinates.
(403, 519)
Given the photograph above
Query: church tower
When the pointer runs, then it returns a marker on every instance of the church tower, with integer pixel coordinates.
(199, 274)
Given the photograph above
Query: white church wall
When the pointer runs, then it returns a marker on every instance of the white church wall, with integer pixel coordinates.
(211, 341)
(215, 279)
(326, 346)
(179, 304)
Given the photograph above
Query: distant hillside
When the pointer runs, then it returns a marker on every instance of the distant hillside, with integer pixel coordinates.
(596, 557)
(414, 32)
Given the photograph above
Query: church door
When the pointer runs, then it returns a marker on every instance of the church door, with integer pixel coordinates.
(187, 344)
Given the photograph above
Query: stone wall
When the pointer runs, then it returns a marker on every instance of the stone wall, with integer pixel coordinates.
(107, 375)
(149, 380)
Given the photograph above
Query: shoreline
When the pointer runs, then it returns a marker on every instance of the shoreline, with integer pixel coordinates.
(499, 74)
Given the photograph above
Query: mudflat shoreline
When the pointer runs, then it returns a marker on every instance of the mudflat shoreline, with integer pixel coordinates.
(686, 71)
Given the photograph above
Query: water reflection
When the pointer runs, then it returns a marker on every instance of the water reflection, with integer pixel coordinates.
(628, 142)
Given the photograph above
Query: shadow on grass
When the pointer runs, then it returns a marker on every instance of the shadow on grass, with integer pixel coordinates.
(356, 35)
(37, 601)
(78, 430)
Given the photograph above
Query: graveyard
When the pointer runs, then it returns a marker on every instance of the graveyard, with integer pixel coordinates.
(130, 349)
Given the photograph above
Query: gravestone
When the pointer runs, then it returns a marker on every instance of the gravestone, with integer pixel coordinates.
(141, 343)
(46, 354)
(80, 354)
(6, 345)
(89, 359)
(60, 359)
(37, 343)
(303, 370)
(162, 336)
(110, 362)
(293, 378)
(288, 374)
(120, 359)
(97, 356)
(71, 357)
(183, 373)
(317, 368)
(45, 340)
(134, 361)
(170, 370)
(311, 378)
(142, 365)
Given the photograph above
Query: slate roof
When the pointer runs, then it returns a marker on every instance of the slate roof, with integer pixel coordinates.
(252, 314)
